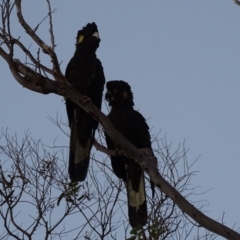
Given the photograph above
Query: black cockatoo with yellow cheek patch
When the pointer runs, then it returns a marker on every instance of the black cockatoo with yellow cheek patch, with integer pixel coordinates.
(85, 73)
(132, 125)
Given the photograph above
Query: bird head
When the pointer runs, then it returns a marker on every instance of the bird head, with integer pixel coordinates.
(119, 93)
(88, 36)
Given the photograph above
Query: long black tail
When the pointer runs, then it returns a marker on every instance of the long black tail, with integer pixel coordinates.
(137, 204)
(81, 140)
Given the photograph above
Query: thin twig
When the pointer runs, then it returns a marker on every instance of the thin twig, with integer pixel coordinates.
(51, 24)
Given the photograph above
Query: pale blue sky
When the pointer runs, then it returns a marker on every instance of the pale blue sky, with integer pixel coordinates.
(181, 59)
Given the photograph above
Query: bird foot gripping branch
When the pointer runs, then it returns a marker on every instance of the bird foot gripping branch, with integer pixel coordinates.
(86, 103)
(149, 154)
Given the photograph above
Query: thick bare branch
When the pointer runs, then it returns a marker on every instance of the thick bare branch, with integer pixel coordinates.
(29, 78)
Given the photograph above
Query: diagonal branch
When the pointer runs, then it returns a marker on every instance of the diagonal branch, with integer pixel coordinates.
(29, 78)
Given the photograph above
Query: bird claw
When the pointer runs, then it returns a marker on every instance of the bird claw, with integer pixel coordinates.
(118, 151)
(148, 153)
(86, 99)
(86, 103)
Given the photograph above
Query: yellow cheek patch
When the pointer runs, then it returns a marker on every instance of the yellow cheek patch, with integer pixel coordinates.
(125, 95)
(80, 39)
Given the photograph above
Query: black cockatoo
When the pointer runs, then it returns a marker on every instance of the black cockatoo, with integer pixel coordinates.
(132, 125)
(85, 73)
